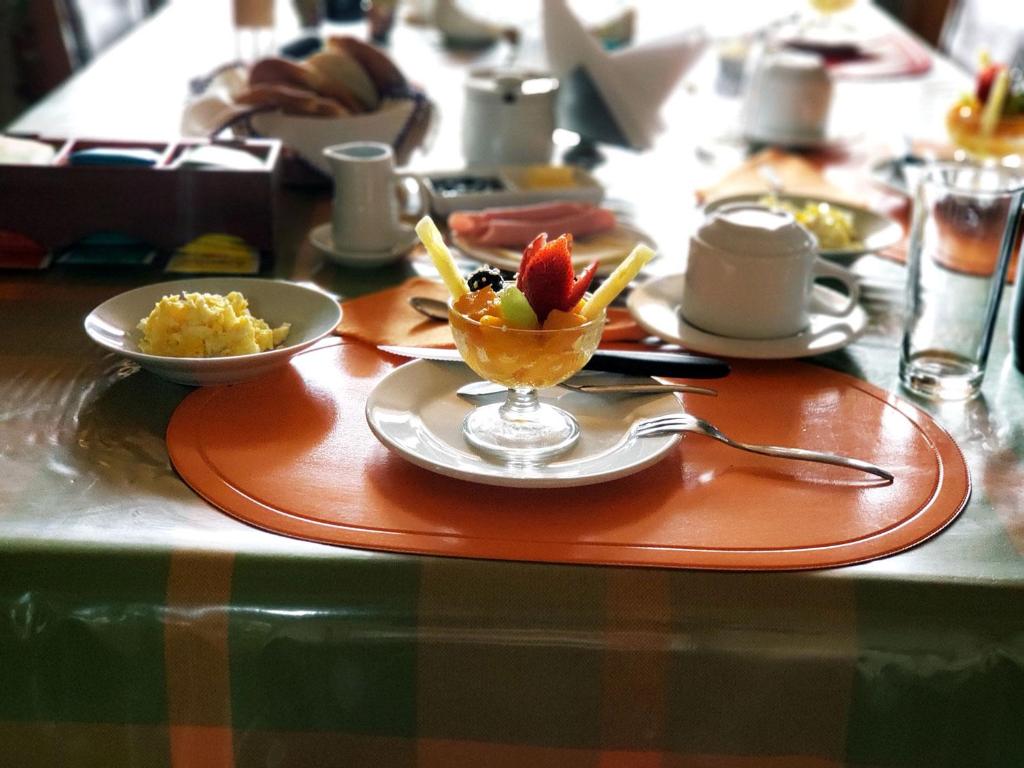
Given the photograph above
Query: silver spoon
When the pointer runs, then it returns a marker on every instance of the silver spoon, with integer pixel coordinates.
(684, 422)
(432, 308)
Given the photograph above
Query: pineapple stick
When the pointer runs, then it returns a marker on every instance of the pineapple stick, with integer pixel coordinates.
(617, 281)
(993, 108)
(442, 257)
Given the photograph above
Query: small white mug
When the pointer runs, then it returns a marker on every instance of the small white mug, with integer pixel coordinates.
(365, 210)
(787, 99)
(750, 274)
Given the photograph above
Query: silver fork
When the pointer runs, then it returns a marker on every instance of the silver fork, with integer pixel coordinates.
(684, 422)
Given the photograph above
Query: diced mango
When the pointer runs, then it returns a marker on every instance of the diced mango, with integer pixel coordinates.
(557, 320)
(476, 304)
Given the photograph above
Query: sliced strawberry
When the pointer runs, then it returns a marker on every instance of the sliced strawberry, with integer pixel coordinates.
(531, 250)
(547, 277)
(580, 286)
(986, 77)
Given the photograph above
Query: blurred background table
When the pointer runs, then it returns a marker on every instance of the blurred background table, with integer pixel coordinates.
(139, 626)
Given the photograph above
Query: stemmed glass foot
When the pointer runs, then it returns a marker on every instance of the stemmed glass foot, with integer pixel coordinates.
(522, 429)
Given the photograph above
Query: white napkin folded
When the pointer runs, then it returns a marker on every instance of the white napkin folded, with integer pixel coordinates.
(633, 82)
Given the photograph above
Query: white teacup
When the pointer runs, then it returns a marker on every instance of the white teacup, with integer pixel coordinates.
(750, 274)
(365, 210)
(787, 99)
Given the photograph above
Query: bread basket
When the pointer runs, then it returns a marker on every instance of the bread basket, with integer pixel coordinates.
(349, 91)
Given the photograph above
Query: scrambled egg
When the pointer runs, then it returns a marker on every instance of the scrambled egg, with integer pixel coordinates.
(206, 325)
(831, 225)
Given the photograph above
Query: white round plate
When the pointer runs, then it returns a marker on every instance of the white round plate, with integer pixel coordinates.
(323, 239)
(609, 248)
(415, 412)
(655, 306)
(873, 231)
(312, 314)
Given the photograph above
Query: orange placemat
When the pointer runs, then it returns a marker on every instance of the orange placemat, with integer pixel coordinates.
(292, 453)
(797, 174)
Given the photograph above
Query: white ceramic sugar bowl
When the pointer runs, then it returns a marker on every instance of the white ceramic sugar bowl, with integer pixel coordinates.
(509, 117)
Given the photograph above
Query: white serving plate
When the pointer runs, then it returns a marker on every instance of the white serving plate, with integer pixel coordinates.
(415, 412)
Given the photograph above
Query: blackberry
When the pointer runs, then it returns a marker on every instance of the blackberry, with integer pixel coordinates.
(484, 277)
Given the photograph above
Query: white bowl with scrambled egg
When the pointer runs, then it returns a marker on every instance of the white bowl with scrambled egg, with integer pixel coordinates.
(213, 330)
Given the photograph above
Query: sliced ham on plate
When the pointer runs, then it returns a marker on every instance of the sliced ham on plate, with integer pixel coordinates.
(516, 227)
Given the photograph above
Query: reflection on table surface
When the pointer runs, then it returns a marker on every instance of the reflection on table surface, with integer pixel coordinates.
(144, 627)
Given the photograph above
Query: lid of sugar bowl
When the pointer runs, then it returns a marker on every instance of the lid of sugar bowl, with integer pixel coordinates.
(509, 85)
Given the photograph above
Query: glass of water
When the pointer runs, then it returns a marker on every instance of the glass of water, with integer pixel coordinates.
(966, 226)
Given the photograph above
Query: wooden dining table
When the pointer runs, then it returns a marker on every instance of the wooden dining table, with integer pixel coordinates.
(141, 626)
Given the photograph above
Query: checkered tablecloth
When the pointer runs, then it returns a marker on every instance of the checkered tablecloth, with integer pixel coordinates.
(141, 627)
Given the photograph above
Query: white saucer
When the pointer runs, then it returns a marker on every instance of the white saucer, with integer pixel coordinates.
(655, 306)
(415, 412)
(323, 239)
(826, 142)
(609, 248)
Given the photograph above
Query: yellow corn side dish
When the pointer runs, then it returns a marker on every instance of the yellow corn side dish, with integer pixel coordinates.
(548, 177)
(206, 325)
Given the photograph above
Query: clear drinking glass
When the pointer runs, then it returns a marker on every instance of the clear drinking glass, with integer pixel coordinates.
(254, 28)
(523, 428)
(965, 227)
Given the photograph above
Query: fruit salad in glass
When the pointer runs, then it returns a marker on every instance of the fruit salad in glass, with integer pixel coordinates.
(527, 334)
(989, 122)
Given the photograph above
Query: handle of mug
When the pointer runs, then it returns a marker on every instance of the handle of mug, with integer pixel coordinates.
(822, 269)
(421, 198)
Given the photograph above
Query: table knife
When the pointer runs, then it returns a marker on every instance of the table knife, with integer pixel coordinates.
(645, 363)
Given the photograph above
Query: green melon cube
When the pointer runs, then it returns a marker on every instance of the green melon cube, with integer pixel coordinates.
(516, 309)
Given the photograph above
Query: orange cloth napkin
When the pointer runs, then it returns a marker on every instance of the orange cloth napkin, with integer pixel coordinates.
(386, 317)
(797, 174)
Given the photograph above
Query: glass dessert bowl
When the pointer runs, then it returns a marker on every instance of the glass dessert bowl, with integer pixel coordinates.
(527, 334)
(524, 360)
(989, 122)
(1005, 140)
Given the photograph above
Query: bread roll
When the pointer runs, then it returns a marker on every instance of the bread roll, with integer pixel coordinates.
(277, 71)
(292, 101)
(382, 71)
(339, 75)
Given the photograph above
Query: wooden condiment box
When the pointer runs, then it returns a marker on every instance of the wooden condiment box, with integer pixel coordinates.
(57, 205)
